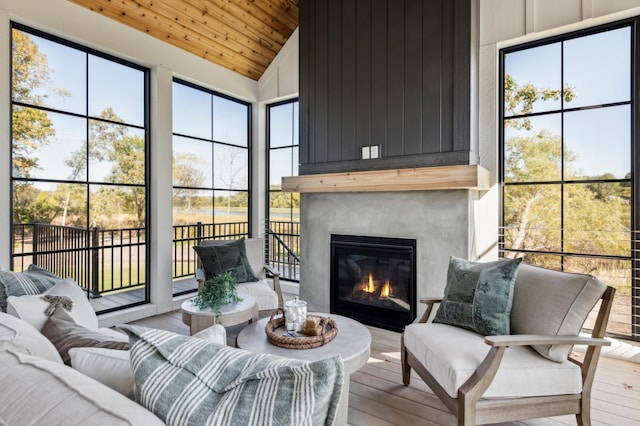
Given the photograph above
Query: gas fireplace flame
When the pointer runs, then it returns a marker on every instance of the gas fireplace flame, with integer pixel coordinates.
(370, 288)
(386, 291)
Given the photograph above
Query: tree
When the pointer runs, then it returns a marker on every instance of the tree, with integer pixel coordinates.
(187, 172)
(32, 127)
(111, 141)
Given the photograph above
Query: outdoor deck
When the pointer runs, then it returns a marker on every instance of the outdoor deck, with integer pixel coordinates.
(378, 398)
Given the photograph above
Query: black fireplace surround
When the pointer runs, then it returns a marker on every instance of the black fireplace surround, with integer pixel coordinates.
(373, 280)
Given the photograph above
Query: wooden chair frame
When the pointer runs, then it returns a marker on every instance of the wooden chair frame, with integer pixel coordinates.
(471, 409)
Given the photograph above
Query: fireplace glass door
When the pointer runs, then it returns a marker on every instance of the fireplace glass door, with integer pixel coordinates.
(373, 279)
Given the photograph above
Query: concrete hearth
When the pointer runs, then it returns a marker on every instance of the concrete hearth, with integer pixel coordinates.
(440, 221)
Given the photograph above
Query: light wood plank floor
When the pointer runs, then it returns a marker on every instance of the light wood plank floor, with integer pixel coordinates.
(378, 398)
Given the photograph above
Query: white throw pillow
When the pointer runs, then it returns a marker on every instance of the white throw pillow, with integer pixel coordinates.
(111, 367)
(24, 335)
(31, 308)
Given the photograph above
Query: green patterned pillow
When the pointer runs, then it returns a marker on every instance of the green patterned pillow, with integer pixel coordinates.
(189, 381)
(231, 257)
(478, 296)
(34, 280)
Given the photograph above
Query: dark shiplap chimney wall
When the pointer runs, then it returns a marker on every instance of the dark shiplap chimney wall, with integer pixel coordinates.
(393, 74)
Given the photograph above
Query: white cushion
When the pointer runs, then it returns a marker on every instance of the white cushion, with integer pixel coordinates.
(31, 308)
(451, 354)
(35, 391)
(111, 367)
(266, 297)
(24, 335)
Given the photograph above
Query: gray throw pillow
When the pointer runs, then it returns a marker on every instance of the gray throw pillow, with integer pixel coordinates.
(34, 280)
(479, 296)
(227, 257)
(65, 334)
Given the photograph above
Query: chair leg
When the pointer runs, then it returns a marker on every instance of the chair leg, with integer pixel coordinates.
(584, 416)
(406, 369)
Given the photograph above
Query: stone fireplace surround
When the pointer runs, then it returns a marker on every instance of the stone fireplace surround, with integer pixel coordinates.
(439, 220)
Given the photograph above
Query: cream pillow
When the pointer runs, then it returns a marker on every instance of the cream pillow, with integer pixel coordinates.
(31, 308)
(25, 336)
(111, 367)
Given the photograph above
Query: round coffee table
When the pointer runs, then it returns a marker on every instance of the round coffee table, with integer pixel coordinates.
(231, 314)
(352, 343)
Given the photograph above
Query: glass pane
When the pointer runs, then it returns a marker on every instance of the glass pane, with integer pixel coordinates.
(230, 122)
(597, 143)
(192, 163)
(532, 217)
(116, 91)
(54, 148)
(54, 203)
(296, 123)
(231, 167)
(530, 88)
(295, 161)
(281, 126)
(279, 166)
(533, 149)
(597, 219)
(116, 153)
(48, 74)
(616, 273)
(280, 205)
(598, 67)
(117, 207)
(191, 112)
(231, 206)
(191, 206)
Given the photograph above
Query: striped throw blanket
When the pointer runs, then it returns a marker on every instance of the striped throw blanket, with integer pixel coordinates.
(189, 381)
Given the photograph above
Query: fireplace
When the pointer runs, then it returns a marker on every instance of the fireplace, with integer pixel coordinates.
(373, 280)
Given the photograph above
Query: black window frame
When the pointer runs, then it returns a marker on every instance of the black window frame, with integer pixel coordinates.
(634, 258)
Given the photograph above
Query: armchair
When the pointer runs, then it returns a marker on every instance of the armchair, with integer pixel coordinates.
(268, 298)
(491, 379)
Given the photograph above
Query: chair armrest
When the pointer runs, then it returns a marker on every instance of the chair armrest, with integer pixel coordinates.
(273, 271)
(275, 275)
(539, 339)
(429, 301)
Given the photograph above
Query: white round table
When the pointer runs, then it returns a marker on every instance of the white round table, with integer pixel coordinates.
(231, 314)
(352, 343)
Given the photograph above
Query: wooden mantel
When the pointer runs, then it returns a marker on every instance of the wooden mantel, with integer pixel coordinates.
(415, 179)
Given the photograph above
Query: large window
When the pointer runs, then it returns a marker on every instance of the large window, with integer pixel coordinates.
(283, 221)
(79, 165)
(567, 140)
(211, 171)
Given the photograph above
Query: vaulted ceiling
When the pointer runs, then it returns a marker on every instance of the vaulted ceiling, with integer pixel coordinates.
(241, 35)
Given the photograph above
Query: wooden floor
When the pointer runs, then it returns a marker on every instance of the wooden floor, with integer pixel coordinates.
(378, 398)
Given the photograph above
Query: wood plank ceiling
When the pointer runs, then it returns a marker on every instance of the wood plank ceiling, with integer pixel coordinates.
(241, 35)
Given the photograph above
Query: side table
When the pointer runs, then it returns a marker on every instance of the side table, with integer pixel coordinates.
(233, 313)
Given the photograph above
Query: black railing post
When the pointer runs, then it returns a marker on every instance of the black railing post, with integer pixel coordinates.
(199, 232)
(95, 261)
(34, 244)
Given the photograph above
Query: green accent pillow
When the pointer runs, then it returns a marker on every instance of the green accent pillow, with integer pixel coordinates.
(478, 296)
(226, 257)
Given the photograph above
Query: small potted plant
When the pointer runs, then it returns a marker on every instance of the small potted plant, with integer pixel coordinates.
(218, 291)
